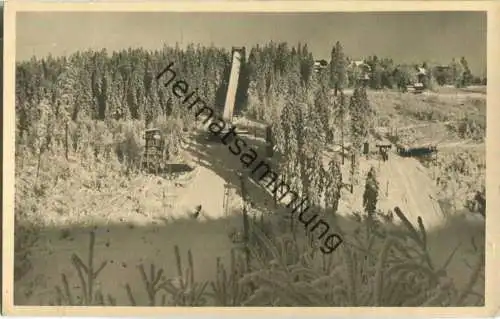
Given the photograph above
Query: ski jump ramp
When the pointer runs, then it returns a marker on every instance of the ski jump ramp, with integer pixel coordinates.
(237, 55)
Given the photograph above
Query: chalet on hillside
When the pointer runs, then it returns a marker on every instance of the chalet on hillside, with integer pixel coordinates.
(361, 69)
(421, 74)
(320, 65)
(361, 65)
(441, 68)
(441, 73)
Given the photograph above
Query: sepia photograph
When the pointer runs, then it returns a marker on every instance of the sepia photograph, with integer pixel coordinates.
(247, 159)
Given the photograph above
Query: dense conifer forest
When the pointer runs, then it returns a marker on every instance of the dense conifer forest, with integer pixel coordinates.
(79, 136)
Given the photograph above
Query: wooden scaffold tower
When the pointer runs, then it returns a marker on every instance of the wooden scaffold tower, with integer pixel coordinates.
(155, 144)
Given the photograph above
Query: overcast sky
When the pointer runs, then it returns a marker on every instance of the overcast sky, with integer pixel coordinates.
(406, 37)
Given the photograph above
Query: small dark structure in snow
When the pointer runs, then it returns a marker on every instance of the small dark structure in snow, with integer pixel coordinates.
(383, 150)
(420, 151)
(480, 198)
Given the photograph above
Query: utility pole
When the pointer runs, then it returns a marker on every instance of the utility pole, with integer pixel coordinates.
(245, 222)
(66, 147)
(341, 121)
(352, 171)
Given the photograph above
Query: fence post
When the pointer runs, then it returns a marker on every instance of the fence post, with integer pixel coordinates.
(66, 147)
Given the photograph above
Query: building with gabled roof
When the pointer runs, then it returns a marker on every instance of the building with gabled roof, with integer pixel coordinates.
(320, 65)
(362, 69)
